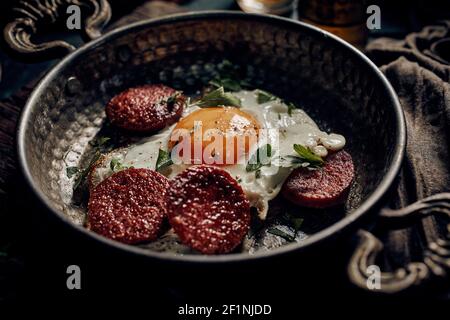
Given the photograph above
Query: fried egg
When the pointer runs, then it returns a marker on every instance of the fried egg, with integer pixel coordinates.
(275, 124)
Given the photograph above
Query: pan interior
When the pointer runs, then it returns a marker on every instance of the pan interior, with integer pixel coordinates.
(337, 88)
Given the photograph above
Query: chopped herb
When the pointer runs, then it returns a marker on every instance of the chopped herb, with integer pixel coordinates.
(81, 177)
(306, 155)
(279, 116)
(103, 140)
(81, 174)
(218, 97)
(258, 174)
(71, 171)
(295, 223)
(100, 142)
(292, 221)
(254, 164)
(282, 234)
(291, 107)
(173, 99)
(227, 84)
(264, 96)
(163, 160)
(115, 165)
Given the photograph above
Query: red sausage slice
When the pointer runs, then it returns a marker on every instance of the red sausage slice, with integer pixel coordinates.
(324, 187)
(129, 206)
(208, 209)
(146, 108)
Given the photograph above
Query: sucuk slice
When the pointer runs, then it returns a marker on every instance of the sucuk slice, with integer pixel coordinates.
(146, 108)
(208, 209)
(323, 187)
(129, 206)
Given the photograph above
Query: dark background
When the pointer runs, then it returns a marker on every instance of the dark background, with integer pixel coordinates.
(35, 250)
(398, 18)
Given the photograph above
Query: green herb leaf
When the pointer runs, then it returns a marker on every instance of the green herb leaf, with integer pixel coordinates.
(218, 97)
(115, 165)
(306, 155)
(163, 160)
(71, 171)
(292, 221)
(282, 234)
(291, 107)
(254, 163)
(264, 96)
(253, 166)
(227, 84)
(82, 175)
(173, 98)
(296, 224)
(100, 142)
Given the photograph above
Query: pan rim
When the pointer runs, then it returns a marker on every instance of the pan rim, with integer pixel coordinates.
(350, 220)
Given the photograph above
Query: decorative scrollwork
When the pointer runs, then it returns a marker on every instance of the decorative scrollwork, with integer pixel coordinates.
(436, 259)
(33, 16)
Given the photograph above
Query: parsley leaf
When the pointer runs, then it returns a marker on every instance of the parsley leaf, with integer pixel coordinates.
(115, 165)
(218, 97)
(291, 107)
(163, 160)
(296, 223)
(227, 84)
(82, 175)
(173, 99)
(71, 171)
(264, 96)
(281, 233)
(254, 163)
(306, 155)
(100, 142)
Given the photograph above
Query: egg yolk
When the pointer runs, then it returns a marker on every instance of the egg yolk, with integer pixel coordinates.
(215, 135)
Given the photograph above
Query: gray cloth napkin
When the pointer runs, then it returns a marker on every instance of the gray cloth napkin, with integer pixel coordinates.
(419, 70)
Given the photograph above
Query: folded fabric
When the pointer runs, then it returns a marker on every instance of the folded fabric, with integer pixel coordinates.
(419, 71)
